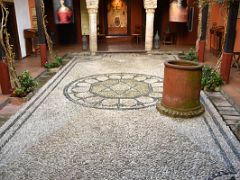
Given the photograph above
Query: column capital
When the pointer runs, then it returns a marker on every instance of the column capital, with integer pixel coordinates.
(150, 10)
(92, 4)
(150, 4)
(92, 10)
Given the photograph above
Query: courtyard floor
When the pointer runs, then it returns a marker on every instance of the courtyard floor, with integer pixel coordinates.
(97, 119)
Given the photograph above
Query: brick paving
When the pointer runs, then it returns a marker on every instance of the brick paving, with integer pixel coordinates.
(229, 113)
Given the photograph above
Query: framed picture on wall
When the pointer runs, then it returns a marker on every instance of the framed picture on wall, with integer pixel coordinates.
(63, 11)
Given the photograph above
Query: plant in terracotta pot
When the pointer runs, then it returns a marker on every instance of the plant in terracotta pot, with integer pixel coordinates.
(181, 89)
(21, 84)
(6, 46)
(191, 55)
(27, 85)
(211, 79)
(56, 63)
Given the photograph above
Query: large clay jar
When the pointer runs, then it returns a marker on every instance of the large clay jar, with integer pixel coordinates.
(181, 89)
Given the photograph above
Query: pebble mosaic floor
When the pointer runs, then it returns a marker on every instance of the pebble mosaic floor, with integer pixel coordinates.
(96, 119)
(115, 91)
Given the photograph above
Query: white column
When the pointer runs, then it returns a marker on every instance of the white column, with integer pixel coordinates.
(149, 28)
(93, 30)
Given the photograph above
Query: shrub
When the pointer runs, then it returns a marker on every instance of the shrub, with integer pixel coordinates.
(191, 55)
(56, 63)
(27, 84)
(211, 79)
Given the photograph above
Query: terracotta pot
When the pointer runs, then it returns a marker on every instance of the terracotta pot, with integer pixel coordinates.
(181, 89)
(43, 54)
(226, 66)
(5, 78)
(201, 50)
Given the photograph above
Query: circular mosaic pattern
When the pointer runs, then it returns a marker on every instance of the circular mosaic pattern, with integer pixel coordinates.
(115, 91)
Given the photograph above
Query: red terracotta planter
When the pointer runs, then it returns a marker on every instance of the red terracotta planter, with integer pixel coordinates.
(181, 89)
(201, 50)
(43, 54)
(5, 78)
(226, 66)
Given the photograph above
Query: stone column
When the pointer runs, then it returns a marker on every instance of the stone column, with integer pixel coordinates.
(149, 28)
(93, 29)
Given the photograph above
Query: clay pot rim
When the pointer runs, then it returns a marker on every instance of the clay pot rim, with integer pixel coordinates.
(176, 65)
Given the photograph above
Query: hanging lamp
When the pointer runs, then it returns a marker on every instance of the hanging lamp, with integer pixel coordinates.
(178, 11)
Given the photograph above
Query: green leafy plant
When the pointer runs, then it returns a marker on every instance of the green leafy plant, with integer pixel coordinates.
(191, 55)
(27, 84)
(211, 79)
(58, 61)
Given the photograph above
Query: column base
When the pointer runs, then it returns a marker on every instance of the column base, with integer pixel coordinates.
(226, 66)
(148, 49)
(5, 78)
(201, 50)
(43, 54)
(93, 53)
(188, 113)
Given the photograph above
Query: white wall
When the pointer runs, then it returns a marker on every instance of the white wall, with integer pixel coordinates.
(23, 21)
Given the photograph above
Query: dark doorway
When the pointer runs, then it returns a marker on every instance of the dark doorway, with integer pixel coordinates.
(64, 34)
(121, 25)
(12, 30)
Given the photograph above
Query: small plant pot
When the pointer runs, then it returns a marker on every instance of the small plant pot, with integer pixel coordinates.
(181, 89)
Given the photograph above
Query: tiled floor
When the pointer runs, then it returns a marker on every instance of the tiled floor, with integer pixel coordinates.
(232, 89)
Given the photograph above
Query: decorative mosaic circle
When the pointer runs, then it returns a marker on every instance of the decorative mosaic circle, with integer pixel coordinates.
(115, 91)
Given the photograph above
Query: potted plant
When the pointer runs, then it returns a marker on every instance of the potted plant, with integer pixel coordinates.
(55, 64)
(191, 55)
(211, 79)
(181, 89)
(27, 85)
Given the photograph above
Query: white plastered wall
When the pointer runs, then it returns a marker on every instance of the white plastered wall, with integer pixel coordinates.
(23, 21)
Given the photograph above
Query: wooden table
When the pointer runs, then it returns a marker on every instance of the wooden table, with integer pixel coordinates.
(30, 39)
(216, 37)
